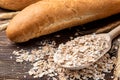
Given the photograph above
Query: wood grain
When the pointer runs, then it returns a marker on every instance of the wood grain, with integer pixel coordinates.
(11, 70)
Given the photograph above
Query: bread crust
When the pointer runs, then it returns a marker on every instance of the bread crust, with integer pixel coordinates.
(16, 4)
(45, 17)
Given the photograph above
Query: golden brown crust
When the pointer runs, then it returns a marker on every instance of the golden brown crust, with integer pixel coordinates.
(45, 17)
(16, 4)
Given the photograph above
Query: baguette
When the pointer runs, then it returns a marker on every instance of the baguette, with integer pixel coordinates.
(45, 17)
(16, 4)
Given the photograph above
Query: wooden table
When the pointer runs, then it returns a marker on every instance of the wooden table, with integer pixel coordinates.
(11, 70)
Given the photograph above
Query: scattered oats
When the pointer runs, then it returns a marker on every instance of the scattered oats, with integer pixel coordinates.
(24, 76)
(51, 75)
(17, 77)
(76, 34)
(57, 36)
(116, 47)
(54, 78)
(56, 74)
(81, 50)
(71, 38)
(19, 60)
(12, 70)
(17, 47)
(43, 64)
(16, 53)
(118, 39)
(11, 57)
(112, 76)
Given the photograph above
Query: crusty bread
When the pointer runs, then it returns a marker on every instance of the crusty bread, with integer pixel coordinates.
(45, 17)
(16, 4)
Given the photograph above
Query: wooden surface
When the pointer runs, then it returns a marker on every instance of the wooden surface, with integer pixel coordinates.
(10, 70)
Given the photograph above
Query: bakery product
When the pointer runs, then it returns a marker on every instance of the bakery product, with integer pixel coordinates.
(16, 4)
(45, 17)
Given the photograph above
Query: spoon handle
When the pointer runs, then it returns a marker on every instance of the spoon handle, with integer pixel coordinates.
(115, 32)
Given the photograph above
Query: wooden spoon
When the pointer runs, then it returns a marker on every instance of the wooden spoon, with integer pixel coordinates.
(110, 36)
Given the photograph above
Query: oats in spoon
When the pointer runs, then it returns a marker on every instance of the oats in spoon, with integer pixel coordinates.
(81, 51)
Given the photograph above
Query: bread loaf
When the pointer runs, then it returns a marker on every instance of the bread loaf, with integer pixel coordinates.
(45, 17)
(16, 4)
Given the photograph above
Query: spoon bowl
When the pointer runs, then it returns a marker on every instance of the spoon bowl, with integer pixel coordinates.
(73, 63)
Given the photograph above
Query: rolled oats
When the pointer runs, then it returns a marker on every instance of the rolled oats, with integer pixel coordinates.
(43, 64)
(81, 50)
